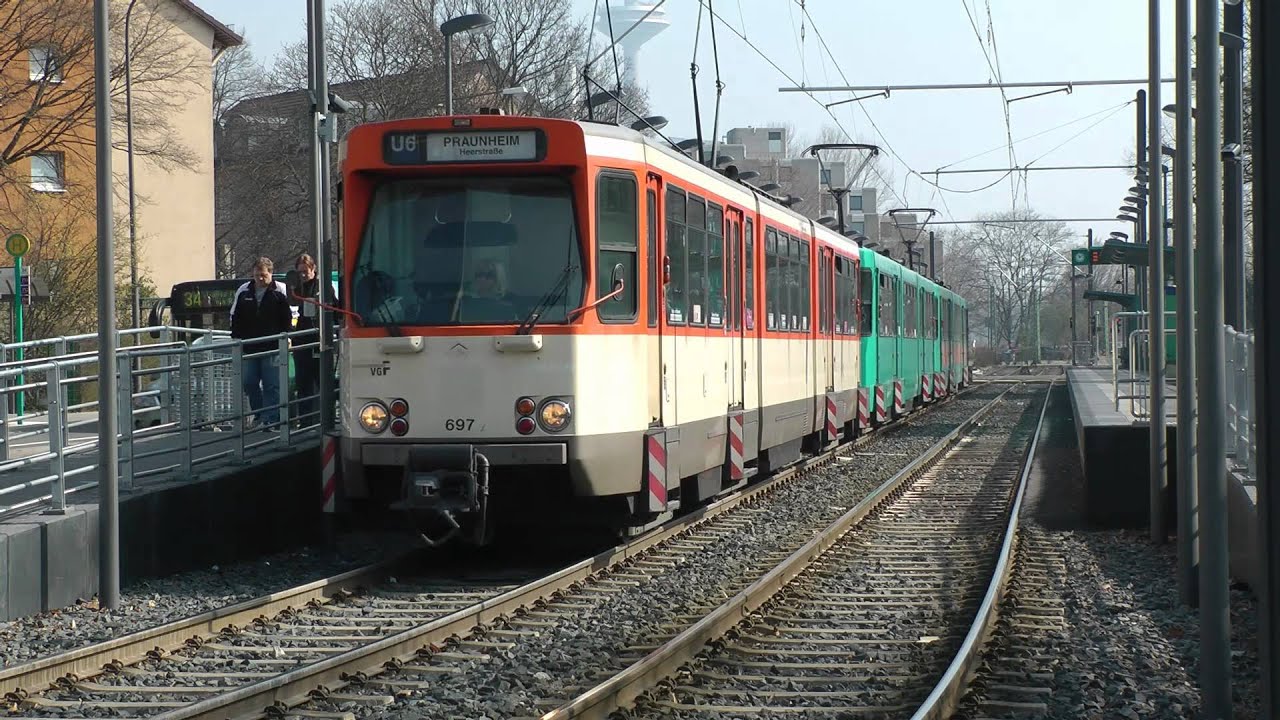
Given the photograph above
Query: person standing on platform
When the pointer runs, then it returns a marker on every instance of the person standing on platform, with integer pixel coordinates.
(306, 362)
(261, 309)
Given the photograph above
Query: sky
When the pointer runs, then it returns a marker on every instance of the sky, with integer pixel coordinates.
(897, 43)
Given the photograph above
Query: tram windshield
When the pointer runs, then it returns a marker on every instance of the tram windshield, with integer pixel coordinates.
(467, 251)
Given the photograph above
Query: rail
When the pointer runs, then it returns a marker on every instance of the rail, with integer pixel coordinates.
(181, 407)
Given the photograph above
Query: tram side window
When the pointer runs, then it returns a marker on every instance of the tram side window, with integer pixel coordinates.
(909, 310)
(855, 298)
(806, 286)
(790, 252)
(697, 243)
(837, 319)
(772, 279)
(651, 255)
(715, 266)
(888, 300)
(675, 291)
(616, 235)
(751, 275)
(868, 312)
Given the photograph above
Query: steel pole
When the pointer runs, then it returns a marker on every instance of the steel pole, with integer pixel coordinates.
(136, 304)
(1158, 477)
(1233, 169)
(108, 453)
(324, 228)
(1265, 83)
(448, 74)
(1215, 622)
(1184, 258)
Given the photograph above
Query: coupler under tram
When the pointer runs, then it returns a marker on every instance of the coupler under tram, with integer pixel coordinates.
(448, 486)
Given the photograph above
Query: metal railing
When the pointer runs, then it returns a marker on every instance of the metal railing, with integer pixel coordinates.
(1242, 445)
(181, 403)
(1136, 378)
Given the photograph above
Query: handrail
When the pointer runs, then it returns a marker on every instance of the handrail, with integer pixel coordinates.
(190, 392)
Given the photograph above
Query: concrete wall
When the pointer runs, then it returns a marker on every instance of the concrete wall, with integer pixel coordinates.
(50, 561)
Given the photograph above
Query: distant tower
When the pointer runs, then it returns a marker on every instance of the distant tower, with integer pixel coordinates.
(625, 14)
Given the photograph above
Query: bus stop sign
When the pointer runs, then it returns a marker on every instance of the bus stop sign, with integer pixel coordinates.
(17, 245)
(1080, 256)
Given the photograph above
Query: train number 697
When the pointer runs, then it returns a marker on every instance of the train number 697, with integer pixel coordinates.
(459, 424)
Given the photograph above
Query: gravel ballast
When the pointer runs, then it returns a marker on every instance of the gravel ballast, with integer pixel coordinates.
(154, 602)
(1128, 648)
(568, 657)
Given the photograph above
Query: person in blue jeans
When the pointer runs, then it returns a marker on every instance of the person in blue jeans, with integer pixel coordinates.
(261, 309)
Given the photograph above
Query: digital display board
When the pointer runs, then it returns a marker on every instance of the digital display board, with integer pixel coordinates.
(463, 146)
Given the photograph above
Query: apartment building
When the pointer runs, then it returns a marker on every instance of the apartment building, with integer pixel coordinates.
(47, 182)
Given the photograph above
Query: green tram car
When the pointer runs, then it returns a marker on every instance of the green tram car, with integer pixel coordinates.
(914, 346)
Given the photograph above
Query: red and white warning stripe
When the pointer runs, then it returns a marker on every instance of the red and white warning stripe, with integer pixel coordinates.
(864, 408)
(735, 447)
(899, 406)
(880, 408)
(944, 380)
(329, 473)
(833, 425)
(926, 387)
(656, 472)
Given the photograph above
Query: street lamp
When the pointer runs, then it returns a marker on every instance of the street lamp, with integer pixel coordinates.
(449, 28)
(511, 93)
(133, 222)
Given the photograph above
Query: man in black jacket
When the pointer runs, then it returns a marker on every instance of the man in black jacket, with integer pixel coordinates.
(261, 309)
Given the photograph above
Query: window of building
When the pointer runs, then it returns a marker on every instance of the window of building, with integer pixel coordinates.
(855, 203)
(44, 64)
(858, 226)
(775, 141)
(676, 298)
(47, 172)
(616, 235)
(715, 266)
(825, 174)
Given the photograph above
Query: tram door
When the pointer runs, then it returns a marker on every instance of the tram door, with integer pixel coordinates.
(733, 288)
(662, 353)
(826, 305)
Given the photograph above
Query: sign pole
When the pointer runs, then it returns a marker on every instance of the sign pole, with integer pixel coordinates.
(18, 245)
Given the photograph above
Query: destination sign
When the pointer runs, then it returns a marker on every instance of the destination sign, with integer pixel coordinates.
(471, 146)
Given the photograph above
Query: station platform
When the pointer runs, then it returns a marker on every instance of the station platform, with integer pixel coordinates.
(169, 523)
(1114, 447)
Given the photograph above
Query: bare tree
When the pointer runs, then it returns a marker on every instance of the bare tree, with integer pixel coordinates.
(47, 82)
(387, 58)
(1007, 272)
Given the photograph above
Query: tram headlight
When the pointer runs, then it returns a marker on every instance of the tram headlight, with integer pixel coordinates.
(373, 417)
(554, 415)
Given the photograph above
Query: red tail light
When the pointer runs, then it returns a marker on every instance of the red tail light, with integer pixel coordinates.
(399, 427)
(525, 425)
(399, 408)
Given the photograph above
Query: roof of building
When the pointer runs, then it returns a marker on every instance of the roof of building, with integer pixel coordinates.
(223, 36)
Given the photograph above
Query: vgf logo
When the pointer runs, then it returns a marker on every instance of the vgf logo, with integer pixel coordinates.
(381, 370)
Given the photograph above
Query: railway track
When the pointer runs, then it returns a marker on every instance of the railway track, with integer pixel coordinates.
(882, 615)
(361, 640)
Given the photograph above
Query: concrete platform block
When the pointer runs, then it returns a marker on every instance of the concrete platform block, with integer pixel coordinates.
(50, 561)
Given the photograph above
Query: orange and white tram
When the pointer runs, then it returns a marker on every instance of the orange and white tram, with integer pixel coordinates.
(572, 322)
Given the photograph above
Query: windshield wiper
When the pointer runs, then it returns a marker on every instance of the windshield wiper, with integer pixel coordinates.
(552, 296)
